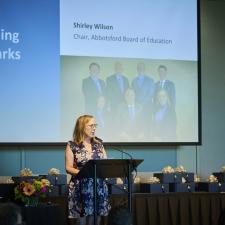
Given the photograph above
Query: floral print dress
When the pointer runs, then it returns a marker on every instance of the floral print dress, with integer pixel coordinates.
(80, 196)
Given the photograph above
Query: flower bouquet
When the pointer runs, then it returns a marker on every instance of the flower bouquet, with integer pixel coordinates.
(56, 178)
(180, 169)
(168, 169)
(31, 190)
(153, 180)
(54, 171)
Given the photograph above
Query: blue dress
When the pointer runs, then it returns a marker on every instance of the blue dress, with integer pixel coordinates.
(80, 196)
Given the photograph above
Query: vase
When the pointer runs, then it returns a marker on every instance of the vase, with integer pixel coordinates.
(31, 201)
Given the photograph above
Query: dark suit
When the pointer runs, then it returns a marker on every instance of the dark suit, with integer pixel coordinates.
(92, 93)
(115, 95)
(144, 91)
(164, 123)
(144, 87)
(169, 87)
(128, 122)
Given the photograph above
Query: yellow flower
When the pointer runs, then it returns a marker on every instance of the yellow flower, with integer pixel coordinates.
(28, 189)
(37, 185)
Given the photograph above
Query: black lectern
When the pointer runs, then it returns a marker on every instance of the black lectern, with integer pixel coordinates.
(109, 168)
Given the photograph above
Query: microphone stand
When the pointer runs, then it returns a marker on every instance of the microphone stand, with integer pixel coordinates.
(129, 175)
(128, 154)
(122, 151)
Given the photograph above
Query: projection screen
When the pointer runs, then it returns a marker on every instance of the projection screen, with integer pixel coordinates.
(134, 65)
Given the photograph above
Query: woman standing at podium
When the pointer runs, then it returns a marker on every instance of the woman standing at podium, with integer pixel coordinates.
(83, 147)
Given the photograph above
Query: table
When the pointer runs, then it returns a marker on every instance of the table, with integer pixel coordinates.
(178, 208)
(196, 208)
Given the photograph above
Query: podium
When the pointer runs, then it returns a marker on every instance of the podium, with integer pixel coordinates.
(109, 168)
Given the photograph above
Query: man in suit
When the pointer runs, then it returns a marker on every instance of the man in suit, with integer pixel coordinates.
(129, 118)
(164, 118)
(116, 85)
(166, 85)
(143, 86)
(93, 88)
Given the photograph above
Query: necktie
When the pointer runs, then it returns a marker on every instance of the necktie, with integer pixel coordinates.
(97, 83)
(99, 86)
(120, 81)
(140, 80)
(162, 82)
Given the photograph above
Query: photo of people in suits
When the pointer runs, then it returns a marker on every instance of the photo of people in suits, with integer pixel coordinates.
(132, 99)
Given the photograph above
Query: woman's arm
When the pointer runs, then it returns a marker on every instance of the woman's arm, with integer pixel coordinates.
(69, 160)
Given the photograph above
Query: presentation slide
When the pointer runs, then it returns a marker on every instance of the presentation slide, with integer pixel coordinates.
(131, 64)
(30, 71)
(134, 66)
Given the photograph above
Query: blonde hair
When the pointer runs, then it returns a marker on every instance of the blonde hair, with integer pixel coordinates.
(168, 101)
(78, 133)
